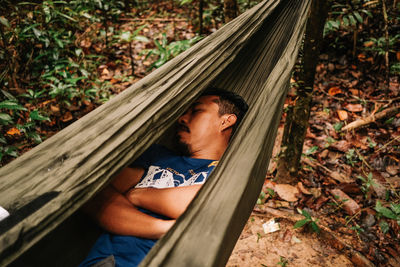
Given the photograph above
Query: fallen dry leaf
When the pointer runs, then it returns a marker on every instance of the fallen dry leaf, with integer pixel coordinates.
(342, 114)
(302, 189)
(392, 169)
(268, 184)
(368, 44)
(356, 92)
(379, 184)
(349, 205)
(13, 131)
(354, 107)
(339, 177)
(334, 91)
(287, 192)
(54, 109)
(66, 117)
(341, 145)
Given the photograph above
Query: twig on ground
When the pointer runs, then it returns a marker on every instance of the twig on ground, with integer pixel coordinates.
(152, 19)
(372, 118)
(333, 174)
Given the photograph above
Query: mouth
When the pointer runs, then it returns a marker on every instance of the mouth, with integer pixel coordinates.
(183, 128)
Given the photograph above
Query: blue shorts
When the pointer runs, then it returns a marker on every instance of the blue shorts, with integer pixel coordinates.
(127, 250)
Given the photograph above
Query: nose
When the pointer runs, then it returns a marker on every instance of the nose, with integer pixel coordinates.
(184, 118)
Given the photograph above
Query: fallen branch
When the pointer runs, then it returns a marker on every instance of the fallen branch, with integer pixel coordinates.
(326, 235)
(372, 118)
(152, 19)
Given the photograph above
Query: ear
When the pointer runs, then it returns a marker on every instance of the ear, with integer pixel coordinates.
(227, 121)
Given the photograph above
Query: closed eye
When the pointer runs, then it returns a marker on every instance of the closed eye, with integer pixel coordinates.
(196, 110)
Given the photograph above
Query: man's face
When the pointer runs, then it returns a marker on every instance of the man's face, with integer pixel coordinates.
(199, 126)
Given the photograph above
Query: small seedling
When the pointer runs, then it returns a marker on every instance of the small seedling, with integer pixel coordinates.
(261, 198)
(308, 220)
(271, 192)
(357, 229)
(392, 213)
(329, 141)
(282, 261)
(371, 143)
(351, 157)
(338, 126)
(311, 150)
(367, 183)
(337, 202)
(259, 236)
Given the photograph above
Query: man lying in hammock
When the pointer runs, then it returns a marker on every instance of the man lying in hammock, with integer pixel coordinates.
(143, 201)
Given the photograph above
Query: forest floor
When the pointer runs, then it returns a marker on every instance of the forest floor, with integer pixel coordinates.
(349, 182)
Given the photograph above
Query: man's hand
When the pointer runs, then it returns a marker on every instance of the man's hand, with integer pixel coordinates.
(171, 202)
(113, 211)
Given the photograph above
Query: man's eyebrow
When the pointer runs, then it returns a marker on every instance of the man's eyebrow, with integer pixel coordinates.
(196, 104)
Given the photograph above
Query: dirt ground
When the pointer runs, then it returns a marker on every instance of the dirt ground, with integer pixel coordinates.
(299, 248)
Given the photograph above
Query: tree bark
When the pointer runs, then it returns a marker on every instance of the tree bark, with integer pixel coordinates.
(385, 18)
(201, 17)
(297, 119)
(230, 10)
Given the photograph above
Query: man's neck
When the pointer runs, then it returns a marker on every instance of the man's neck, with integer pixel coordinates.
(214, 153)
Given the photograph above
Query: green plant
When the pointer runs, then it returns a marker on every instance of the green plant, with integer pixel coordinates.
(29, 128)
(329, 141)
(32, 95)
(259, 236)
(358, 230)
(371, 143)
(282, 261)
(261, 198)
(346, 16)
(311, 150)
(165, 51)
(8, 151)
(393, 212)
(337, 202)
(378, 44)
(367, 182)
(351, 157)
(308, 220)
(128, 37)
(338, 126)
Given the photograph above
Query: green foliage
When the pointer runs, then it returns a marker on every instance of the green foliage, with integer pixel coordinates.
(8, 151)
(165, 51)
(311, 150)
(261, 198)
(393, 213)
(346, 16)
(338, 126)
(378, 44)
(351, 157)
(329, 141)
(308, 220)
(371, 143)
(282, 261)
(366, 183)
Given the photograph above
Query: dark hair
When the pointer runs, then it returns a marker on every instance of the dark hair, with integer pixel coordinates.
(229, 103)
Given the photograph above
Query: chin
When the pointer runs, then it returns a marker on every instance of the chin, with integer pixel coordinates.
(182, 147)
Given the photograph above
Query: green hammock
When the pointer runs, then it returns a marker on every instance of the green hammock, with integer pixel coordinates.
(252, 55)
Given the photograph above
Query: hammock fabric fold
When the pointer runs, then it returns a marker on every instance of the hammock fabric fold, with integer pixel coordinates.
(252, 55)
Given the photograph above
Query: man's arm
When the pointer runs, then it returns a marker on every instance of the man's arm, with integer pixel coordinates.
(113, 211)
(171, 202)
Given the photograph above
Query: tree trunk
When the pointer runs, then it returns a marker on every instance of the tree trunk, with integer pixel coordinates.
(201, 17)
(230, 10)
(297, 118)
